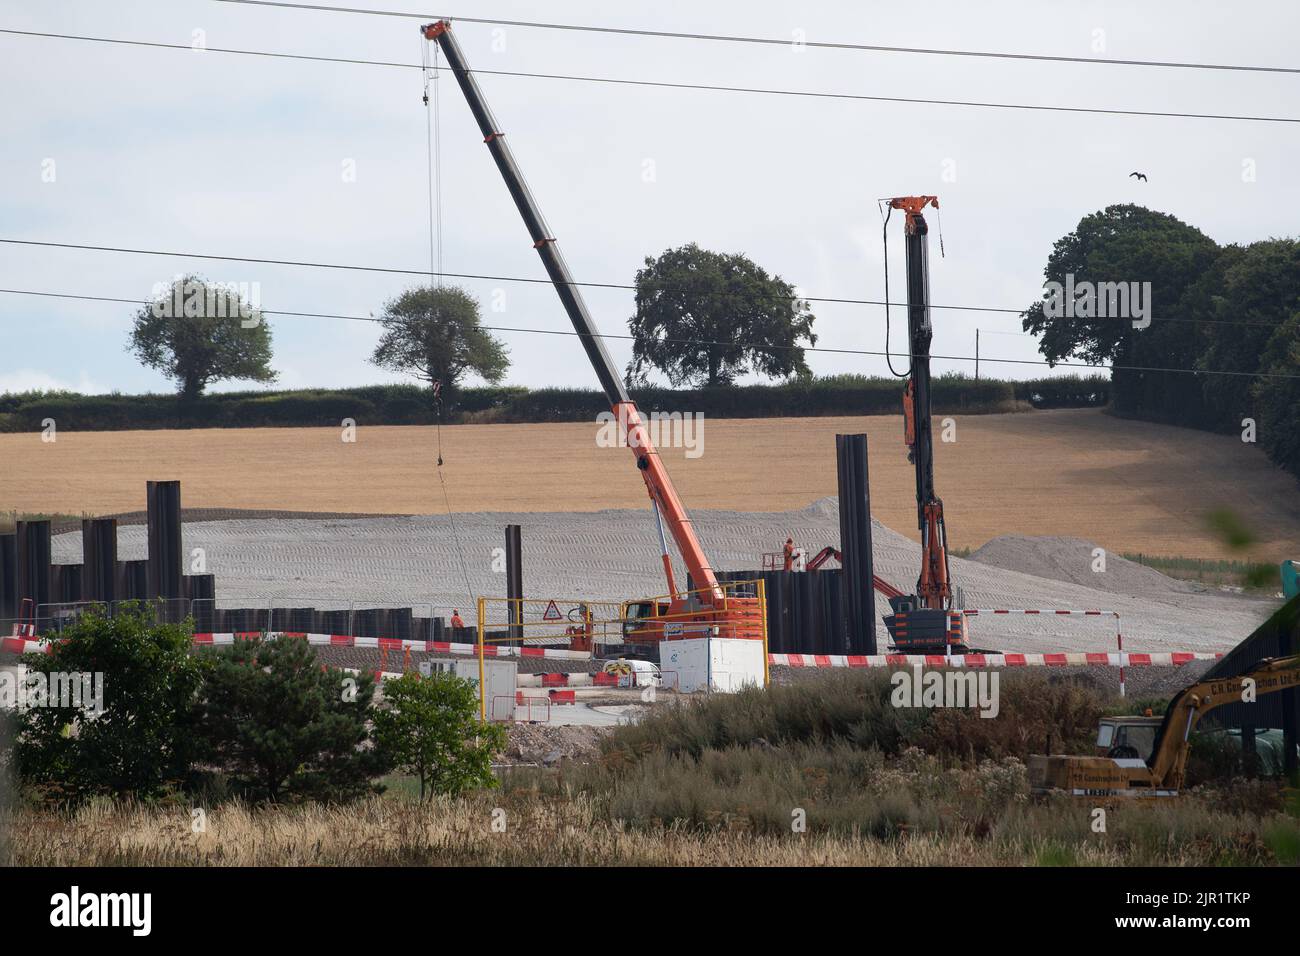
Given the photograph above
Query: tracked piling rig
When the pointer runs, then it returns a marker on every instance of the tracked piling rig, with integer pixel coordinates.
(926, 622)
(707, 609)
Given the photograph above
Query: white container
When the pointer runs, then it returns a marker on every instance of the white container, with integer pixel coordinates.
(439, 666)
(716, 663)
(500, 676)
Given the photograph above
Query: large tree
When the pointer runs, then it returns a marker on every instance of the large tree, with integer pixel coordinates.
(1131, 244)
(282, 726)
(197, 332)
(1277, 395)
(436, 334)
(142, 741)
(1250, 310)
(430, 727)
(706, 318)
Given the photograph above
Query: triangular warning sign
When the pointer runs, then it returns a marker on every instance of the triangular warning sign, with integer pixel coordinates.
(552, 613)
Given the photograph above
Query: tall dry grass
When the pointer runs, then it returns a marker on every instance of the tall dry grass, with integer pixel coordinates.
(382, 831)
(572, 828)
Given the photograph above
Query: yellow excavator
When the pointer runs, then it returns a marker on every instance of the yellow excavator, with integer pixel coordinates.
(1124, 771)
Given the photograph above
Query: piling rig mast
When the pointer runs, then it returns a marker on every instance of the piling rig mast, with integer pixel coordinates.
(925, 622)
(707, 608)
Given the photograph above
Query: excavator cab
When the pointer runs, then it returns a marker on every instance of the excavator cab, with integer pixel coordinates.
(1131, 737)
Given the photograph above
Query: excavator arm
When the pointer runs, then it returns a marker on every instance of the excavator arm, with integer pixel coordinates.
(668, 507)
(1169, 755)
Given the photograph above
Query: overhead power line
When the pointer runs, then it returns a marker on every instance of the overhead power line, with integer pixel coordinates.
(622, 286)
(666, 84)
(529, 280)
(786, 42)
(710, 342)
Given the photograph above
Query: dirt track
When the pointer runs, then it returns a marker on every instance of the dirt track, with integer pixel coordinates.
(1129, 486)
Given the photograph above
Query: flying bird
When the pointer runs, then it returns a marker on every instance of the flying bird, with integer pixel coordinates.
(1141, 176)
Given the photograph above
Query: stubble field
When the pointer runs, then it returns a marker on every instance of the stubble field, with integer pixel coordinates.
(1130, 486)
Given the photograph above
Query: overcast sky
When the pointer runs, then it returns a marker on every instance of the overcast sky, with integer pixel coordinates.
(244, 156)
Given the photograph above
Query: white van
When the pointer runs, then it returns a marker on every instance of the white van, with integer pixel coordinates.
(637, 673)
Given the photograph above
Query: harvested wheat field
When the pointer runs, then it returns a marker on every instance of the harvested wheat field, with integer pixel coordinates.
(1127, 485)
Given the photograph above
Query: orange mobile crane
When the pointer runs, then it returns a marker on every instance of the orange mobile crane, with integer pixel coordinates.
(707, 609)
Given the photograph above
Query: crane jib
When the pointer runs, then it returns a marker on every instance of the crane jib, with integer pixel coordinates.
(651, 467)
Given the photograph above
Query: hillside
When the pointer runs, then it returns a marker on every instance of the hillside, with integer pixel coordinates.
(1129, 486)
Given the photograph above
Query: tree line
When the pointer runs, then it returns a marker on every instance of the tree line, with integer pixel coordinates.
(1227, 317)
(702, 319)
(409, 404)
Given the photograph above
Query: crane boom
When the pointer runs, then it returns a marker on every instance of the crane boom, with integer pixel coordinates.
(668, 507)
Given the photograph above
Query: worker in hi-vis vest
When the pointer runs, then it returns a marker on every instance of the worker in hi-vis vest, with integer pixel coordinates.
(789, 554)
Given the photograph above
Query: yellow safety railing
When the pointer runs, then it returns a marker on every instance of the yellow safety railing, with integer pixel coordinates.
(742, 613)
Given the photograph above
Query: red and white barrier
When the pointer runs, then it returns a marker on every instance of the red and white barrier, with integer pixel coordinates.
(1119, 636)
(20, 645)
(974, 612)
(1170, 659)
(568, 680)
(398, 644)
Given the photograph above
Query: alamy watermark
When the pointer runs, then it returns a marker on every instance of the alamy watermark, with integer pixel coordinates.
(1101, 300)
(133, 911)
(918, 687)
(79, 690)
(662, 430)
(199, 299)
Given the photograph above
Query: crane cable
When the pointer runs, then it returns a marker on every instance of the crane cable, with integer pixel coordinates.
(433, 155)
(433, 152)
(886, 212)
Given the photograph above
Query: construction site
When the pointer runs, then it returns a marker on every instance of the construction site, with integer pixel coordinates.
(922, 639)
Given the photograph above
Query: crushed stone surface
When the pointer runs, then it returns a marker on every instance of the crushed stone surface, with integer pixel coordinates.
(547, 745)
(614, 556)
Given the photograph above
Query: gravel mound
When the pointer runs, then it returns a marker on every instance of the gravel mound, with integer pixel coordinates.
(547, 745)
(1071, 559)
